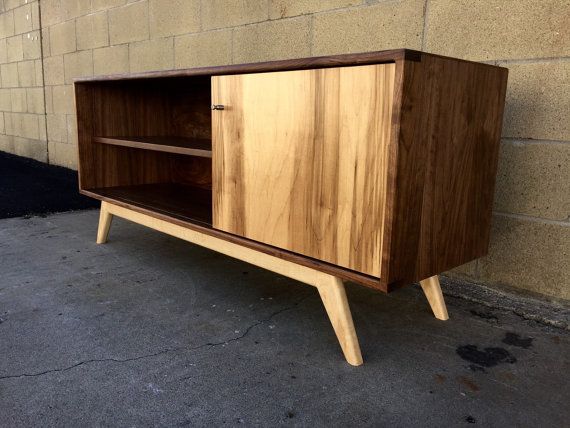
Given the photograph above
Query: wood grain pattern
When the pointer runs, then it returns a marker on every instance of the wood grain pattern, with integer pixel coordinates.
(443, 165)
(438, 166)
(180, 145)
(151, 211)
(162, 109)
(105, 219)
(378, 57)
(185, 202)
(333, 295)
(434, 296)
(299, 160)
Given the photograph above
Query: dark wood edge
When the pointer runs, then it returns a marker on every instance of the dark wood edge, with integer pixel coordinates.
(391, 175)
(345, 274)
(282, 65)
(259, 67)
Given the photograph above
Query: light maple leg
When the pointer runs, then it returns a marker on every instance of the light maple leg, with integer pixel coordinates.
(433, 293)
(331, 289)
(333, 295)
(105, 218)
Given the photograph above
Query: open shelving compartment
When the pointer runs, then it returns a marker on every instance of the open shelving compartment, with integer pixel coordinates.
(148, 143)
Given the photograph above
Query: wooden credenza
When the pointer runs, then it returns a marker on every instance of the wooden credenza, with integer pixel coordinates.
(377, 168)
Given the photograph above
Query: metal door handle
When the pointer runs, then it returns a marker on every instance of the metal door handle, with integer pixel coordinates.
(218, 106)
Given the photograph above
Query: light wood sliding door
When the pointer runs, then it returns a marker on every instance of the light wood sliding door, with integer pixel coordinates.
(299, 160)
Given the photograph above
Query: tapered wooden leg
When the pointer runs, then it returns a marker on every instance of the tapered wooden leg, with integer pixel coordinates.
(331, 289)
(433, 293)
(333, 294)
(105, 218)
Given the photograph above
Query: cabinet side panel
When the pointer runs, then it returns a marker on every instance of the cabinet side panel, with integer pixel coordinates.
(405, 177)
(462, 163)
(84, 115)
(449, 136)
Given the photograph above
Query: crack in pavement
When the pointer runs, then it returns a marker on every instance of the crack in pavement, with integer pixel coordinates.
(164, 351)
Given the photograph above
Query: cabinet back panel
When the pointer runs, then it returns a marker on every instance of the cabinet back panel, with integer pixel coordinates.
(300, 157)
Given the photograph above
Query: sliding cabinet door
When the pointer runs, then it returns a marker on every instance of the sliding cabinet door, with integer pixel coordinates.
(299, 160)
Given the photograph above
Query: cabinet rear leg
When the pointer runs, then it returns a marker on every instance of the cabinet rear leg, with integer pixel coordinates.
(333, 295)
(105, 218)
(433, 293)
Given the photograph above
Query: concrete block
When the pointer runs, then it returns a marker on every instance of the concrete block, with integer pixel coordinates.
(38, 66)
(289, 38)
(14, 49)
(9, 73)
(32, 45)
(42, 127)
(93, 31)
(170, 17)
(35, 15)
(77, 64)
(23, 19)
(231, 13)
(106, 4)
(538, 101)
(129, 23)
(386, 25)
(529, 255)
(12, 4)
(3, 51)
(6, 24)
(203, 49)
(27, 73)
(48, 99)
(53, 70)
(72, 131)
(52, 12)
(74, 8)
(111, 60)
(62, 38)
(1, 123)
(31, 148)
(152, 55)
(35, 100)
(45, 41)
(62, 98)
(57, 127)
(534, 180)
(7, 144)
(62, 154)
(18, 97)
(30, 128)
(5, 100)
(286, 8)
(8, 123)
(498, 29)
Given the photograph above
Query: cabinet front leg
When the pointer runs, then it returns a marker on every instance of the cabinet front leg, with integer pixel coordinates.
(433, 293)
(333, 295)
(105, 218)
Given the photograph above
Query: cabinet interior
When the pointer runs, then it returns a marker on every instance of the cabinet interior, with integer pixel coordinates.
(151, 144)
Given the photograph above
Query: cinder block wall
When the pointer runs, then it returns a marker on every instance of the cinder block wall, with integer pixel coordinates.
(22, 108)
(530, 246)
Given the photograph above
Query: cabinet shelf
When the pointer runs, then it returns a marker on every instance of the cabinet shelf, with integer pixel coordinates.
(181, 201)
(179, 145)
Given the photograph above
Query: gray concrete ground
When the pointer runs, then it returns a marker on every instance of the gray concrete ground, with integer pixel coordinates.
(149, 330)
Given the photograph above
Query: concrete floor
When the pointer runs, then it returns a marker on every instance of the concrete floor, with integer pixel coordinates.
(149, 330)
